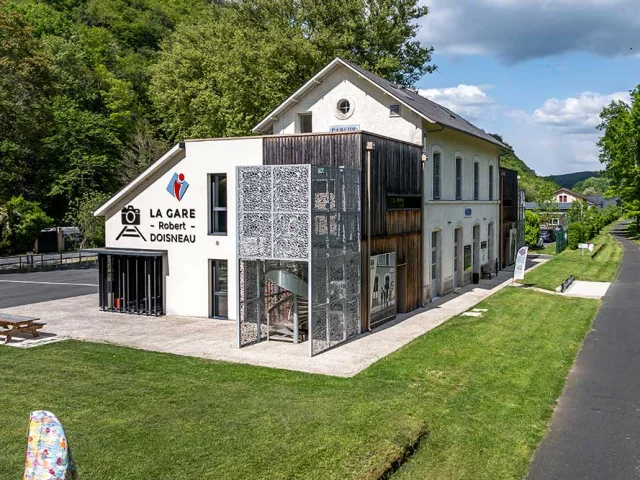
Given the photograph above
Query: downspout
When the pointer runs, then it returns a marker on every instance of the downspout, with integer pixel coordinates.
(370, 146)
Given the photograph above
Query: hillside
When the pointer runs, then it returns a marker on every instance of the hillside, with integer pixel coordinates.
(529, 180)
(569, 180)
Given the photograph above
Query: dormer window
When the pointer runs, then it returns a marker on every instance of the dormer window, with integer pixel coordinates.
(394, 110)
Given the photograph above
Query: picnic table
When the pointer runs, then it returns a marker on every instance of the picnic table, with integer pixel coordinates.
(13, 324)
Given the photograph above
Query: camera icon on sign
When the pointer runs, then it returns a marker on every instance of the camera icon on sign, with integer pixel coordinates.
(130, 215)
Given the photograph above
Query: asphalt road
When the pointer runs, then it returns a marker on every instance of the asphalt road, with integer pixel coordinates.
(595, 429)
(33, 287)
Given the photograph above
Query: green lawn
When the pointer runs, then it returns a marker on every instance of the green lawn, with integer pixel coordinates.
(601, 268)
(549, 249)
(480, 392)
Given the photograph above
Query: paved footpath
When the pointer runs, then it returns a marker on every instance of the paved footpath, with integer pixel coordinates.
(595, 429)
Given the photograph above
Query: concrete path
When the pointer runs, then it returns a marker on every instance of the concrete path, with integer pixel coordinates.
(595, 429)
(81, 319)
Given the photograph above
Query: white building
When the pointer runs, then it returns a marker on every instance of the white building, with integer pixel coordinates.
(181, 240)
(461, 174)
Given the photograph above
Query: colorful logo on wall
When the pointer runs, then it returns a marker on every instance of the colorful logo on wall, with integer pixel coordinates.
(178, 186)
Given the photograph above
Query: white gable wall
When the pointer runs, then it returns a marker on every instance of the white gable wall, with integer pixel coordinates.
(187, 275)
(370, 107)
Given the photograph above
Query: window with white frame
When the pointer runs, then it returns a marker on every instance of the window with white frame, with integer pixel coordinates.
(394, 110)
(458, 178)
(490, 182)
(476, 180)
(436, 175)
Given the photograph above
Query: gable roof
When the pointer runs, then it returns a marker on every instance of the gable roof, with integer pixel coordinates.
(571, 192)
(423, 107)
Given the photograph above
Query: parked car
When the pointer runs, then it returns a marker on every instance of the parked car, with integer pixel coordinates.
(547, 236)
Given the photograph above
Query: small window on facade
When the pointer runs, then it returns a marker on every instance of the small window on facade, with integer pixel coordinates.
(436, 176)
(394, 110)
(555, 221)
(219, 290)
(218, 203)
(397, 202)
(458, 178)
(344, 107)
(490, 182)
(476, 181)
(306, 123)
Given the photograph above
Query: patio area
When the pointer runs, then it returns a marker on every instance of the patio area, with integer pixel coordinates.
(79, 318)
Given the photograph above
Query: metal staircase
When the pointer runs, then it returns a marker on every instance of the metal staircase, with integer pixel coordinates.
(294, 326)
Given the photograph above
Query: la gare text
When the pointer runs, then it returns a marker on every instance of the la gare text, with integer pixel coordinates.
(174, 213)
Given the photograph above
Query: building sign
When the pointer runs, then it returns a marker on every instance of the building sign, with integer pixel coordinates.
(467, 212)
(382, 288)
(344, 128)
(521, 261)
(171, 225)
(177, 186)
(467, 257)
(130, 219)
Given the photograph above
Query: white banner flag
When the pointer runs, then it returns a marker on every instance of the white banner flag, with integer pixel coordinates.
(521, 261)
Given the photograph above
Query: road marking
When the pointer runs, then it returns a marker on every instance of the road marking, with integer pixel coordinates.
(52, 283)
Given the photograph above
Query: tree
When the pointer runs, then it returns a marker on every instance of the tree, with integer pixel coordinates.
(620, 151)
(546, 201)
(531, 228)
(25, 114)
(20, 224)
(81, 215)
(577, 211)
(222, 74)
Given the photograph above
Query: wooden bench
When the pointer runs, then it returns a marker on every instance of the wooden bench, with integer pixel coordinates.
(10, 325)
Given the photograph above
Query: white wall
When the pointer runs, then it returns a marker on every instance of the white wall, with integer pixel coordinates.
(447, 213)
(369, 105)
(187, 288)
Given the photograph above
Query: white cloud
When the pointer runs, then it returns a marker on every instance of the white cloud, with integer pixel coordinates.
(469, 101)
(561, 136)
(517, 30)
(576, 114)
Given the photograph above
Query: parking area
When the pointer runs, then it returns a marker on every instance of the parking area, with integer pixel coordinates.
(34, 287)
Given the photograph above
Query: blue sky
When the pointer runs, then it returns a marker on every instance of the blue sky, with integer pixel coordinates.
(536, 71)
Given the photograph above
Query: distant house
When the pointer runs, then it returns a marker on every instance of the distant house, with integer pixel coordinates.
(564, 199)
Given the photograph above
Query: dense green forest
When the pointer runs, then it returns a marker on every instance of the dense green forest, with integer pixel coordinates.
(534, 186)
(92, 91)
(569, 180)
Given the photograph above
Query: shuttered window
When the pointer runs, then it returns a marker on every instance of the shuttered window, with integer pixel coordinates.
(436, 175)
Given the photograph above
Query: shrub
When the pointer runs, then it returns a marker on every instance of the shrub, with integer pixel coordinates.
(575, 234)
(531, 228)
(20, 224)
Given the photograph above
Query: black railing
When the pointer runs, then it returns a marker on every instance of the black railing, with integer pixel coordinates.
(32, 261)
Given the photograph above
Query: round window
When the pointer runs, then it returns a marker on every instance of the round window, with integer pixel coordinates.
(344, 109)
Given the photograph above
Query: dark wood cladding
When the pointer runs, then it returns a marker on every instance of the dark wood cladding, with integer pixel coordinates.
(396, 169)
(509, 204)
(336, 150)
(403, 221)
(509, 194)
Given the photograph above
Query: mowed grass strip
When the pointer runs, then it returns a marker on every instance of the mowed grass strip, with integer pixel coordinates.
(601, 268)
(483, 388)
